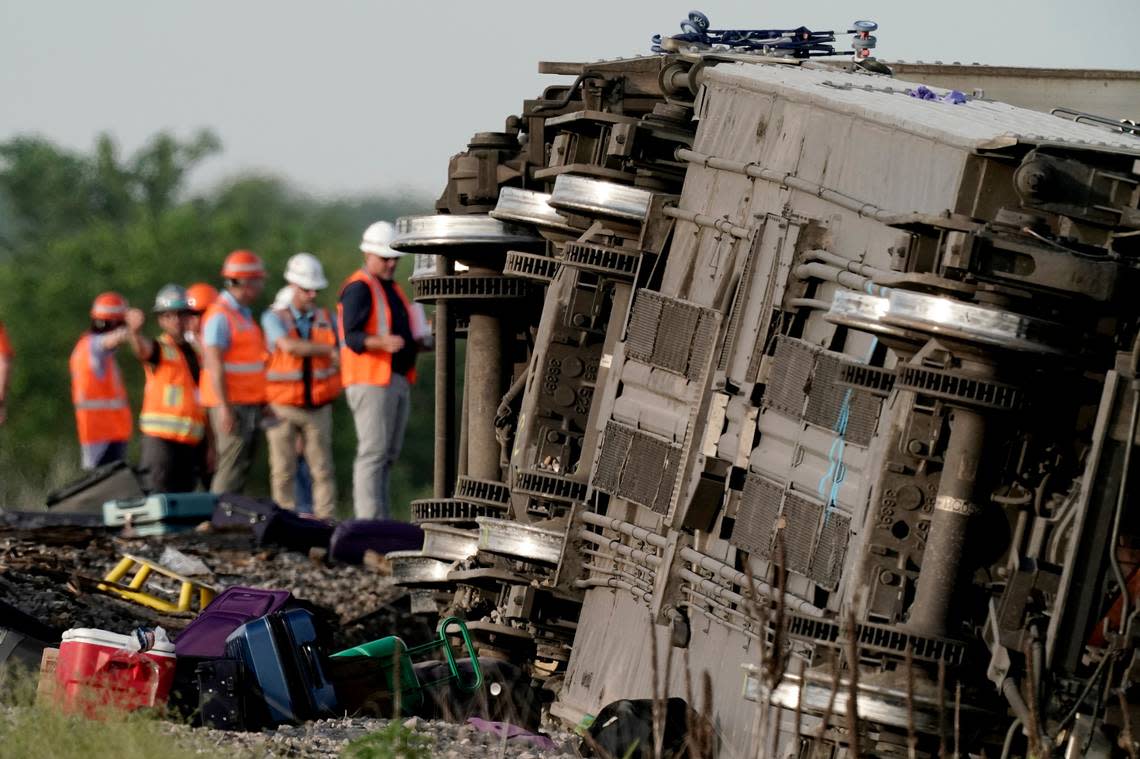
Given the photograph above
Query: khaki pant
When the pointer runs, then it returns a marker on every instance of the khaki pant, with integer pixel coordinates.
(314, 428)
(234, 451)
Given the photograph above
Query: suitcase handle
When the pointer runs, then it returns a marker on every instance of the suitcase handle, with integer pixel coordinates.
(311, 657)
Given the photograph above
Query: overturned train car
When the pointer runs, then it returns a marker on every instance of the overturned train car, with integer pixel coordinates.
(794, 381)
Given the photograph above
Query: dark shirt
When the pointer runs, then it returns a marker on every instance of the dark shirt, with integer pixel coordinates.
(356, 301)
(187, 351)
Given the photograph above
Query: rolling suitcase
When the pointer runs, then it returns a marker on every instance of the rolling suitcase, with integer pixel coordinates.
(88, 494)
(353, 537)
(284, 669)
(241, 511)
(160, 513)
(221, 695)
(271, 524)
(232, 608)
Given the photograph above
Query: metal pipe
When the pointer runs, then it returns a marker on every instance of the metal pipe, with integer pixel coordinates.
(821, 305)
(646, 559)
(953, 507)
(616, 584)
(787, 179)
(443, 479)
(714, 618)
(634, 579)
(464, 425)
(704, 220)
(728, 610)
(736, 577)
(857, 267)
(484, 389)
(618, 525)
(850, 280)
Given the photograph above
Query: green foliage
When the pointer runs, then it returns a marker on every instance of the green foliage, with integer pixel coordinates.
(393, 742)
(73, 225)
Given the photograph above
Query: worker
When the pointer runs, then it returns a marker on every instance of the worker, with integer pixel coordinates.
(302, 381)
(5, 372)
(102, 414)
(233, 370)
(199, 296)
(172, 421)
(381, 333)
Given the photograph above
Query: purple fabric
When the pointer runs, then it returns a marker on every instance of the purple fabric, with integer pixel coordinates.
(355, 536)
(922, 92)
(511, 733)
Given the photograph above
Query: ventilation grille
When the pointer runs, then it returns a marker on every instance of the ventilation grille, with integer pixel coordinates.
(756, 520)
(637, 467)
(809, 383)
(671, 334)
(801, 524)
(791, 372)
(831, 550)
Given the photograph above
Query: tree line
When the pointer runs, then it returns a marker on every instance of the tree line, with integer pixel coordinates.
(73, 224)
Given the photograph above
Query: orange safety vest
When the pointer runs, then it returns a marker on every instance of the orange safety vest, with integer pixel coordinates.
(102, 413)
(285, 376)
(5, 346)
(171, 409)
(371, 367)
(243, 363)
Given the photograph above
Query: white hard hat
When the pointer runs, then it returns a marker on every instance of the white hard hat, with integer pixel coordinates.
(283, 298)
(376, 239)
(305, 271)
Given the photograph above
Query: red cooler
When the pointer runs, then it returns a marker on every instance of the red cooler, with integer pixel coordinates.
(95, 671)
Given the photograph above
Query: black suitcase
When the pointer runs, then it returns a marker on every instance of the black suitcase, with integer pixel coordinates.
(271, 524)
(86, 495)
(241, 511)
(221, 693)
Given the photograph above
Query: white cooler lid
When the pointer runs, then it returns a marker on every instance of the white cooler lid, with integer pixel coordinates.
(99, 637)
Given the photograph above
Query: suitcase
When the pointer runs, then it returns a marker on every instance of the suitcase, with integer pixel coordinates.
(221, 695)
(233, 510)
(285, 675)
(206, 635)
(160, 513)
(352, 538)
(271, 524)
(88, 494)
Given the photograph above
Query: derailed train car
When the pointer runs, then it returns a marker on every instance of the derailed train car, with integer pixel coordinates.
(778, 373)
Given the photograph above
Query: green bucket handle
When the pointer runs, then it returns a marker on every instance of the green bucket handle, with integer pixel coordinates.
(453, 668)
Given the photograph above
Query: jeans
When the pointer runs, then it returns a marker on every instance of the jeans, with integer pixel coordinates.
(381, 416)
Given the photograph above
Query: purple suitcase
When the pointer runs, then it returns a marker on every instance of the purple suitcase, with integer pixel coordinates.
(206, 635)
(353, 537)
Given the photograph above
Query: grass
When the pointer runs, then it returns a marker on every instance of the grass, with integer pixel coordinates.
(393, 742)
(36, 731)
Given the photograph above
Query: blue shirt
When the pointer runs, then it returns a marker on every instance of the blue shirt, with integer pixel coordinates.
(216, 330)
(274, 328)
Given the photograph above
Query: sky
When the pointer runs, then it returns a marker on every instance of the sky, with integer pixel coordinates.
(347, 97)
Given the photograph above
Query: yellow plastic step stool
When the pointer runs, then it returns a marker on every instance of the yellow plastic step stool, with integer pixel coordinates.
(144, 568)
